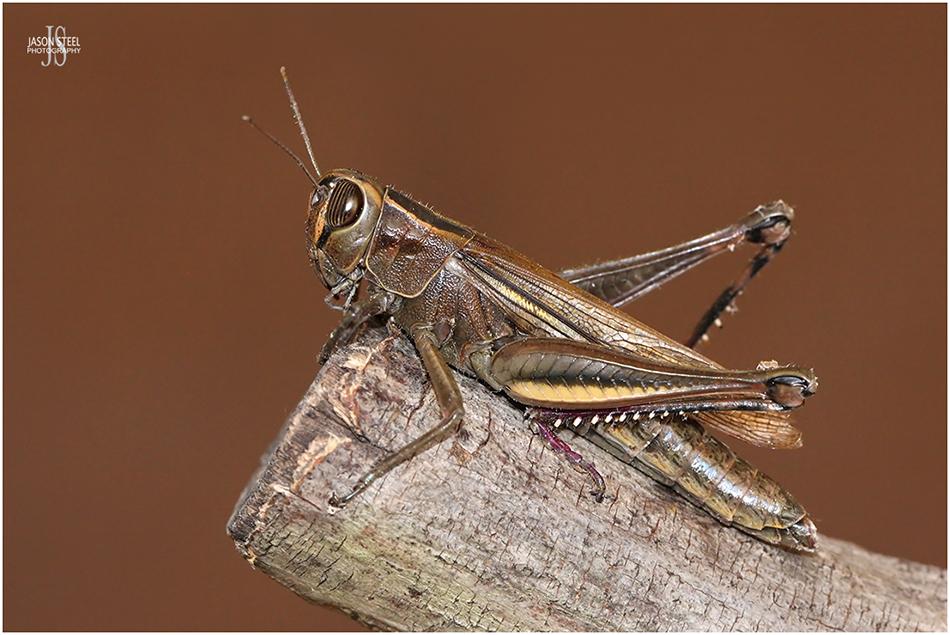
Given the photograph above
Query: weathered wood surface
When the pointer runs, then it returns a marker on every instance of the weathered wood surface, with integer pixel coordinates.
(491, 530)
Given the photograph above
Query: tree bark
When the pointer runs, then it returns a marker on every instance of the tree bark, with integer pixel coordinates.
(493, 531)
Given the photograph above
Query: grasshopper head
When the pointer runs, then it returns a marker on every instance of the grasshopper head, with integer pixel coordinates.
(344, 210)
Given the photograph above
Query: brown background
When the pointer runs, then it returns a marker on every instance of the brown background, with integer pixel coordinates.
(161, 318)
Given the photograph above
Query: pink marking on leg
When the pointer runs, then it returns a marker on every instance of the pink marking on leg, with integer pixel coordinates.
(577, 461)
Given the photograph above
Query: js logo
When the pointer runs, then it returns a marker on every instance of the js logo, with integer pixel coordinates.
(55, 45)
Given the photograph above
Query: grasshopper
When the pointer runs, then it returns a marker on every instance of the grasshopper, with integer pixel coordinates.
(558, 344)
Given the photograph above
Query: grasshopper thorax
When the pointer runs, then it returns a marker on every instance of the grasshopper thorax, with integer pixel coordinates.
(344, 211)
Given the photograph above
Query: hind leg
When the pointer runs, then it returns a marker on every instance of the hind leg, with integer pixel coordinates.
(562, 448)
(620, 281)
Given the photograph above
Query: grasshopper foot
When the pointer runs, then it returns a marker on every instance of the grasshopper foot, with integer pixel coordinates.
(341, 501)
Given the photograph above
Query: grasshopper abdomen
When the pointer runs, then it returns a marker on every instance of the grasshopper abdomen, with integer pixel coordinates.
(676, 451)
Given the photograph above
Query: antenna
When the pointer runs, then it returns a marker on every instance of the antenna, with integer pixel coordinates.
(282, 147)
(299, 119)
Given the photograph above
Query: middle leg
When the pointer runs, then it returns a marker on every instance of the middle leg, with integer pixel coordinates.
(450, 401)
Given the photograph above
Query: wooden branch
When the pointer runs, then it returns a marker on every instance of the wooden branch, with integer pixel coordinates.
(491, 530)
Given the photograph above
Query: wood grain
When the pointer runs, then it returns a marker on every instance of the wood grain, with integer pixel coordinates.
(492, 531)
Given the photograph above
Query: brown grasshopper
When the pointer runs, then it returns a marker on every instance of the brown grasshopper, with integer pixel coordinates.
(558, 345)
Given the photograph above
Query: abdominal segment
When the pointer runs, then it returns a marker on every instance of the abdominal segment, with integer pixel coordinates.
(678, 452)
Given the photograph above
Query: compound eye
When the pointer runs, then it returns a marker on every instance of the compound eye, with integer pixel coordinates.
(345, 204)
